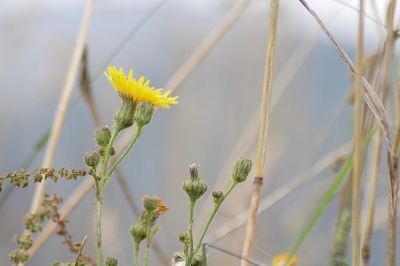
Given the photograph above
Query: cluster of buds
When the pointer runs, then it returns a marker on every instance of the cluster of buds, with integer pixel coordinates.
(129, 113)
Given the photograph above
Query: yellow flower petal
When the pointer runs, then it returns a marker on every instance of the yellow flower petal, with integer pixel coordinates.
(138, 90)
(280, 259)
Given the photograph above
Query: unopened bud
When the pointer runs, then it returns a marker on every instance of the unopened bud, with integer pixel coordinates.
(124, 116)
(143, 113)
(194, 187)
(92, 158)
(241, 169)
(139, 229)
(102, 136)
(217, 194)
(184, 237)
(150, 203)
(111, 261)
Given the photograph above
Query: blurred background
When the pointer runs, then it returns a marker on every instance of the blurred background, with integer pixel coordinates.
(211, 125)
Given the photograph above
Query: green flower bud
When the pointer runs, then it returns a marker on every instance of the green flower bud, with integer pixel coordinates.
(124, 116)
(111, 261)
(217, 194)
(102, 136)
(139, 229)
(150, 203)
(194, 187)
(184, 237)
(143, 113)
(92, 158)
(112, 151)
(197, 259)
(241, 169)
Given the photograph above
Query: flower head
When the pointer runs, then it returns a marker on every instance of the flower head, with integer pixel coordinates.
(159, 208)
(136, 91)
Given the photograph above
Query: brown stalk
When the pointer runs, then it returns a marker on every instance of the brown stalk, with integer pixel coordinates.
(357, 153)
(384, 88)
(62, 107)
(263, 133)
(391, 236)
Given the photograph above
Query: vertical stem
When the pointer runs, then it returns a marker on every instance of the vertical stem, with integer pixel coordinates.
(99, 203)
(392, 210)
(149, 218)
(357, 141)
(373, 184)
(136, 257)
(263, 133)
(190, 229)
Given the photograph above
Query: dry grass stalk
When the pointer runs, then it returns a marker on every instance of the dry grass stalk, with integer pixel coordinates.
(63, 103)
(384, 88)
(356, 175)
(391, 237)
(263, 134)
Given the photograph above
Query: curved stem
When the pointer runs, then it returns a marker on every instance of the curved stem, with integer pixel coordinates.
(216, 207)
(107, 153)
(138, 133)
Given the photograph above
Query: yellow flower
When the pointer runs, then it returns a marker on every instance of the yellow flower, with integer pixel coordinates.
(138, 90)
(280, 259)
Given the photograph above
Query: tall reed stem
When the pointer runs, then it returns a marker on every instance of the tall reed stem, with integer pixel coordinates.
(355, 223)
(263, 133)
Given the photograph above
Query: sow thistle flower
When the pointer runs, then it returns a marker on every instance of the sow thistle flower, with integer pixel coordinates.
(138, 90)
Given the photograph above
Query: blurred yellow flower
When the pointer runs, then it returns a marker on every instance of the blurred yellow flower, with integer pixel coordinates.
(280, 259)
(138, 90)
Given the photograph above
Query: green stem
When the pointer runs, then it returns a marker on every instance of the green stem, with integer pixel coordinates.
(99, 196)
(107, 154)
(138, 133)
(149, 218)
(99, 203)
(216, 207)
(137, 248)
(190, 230)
